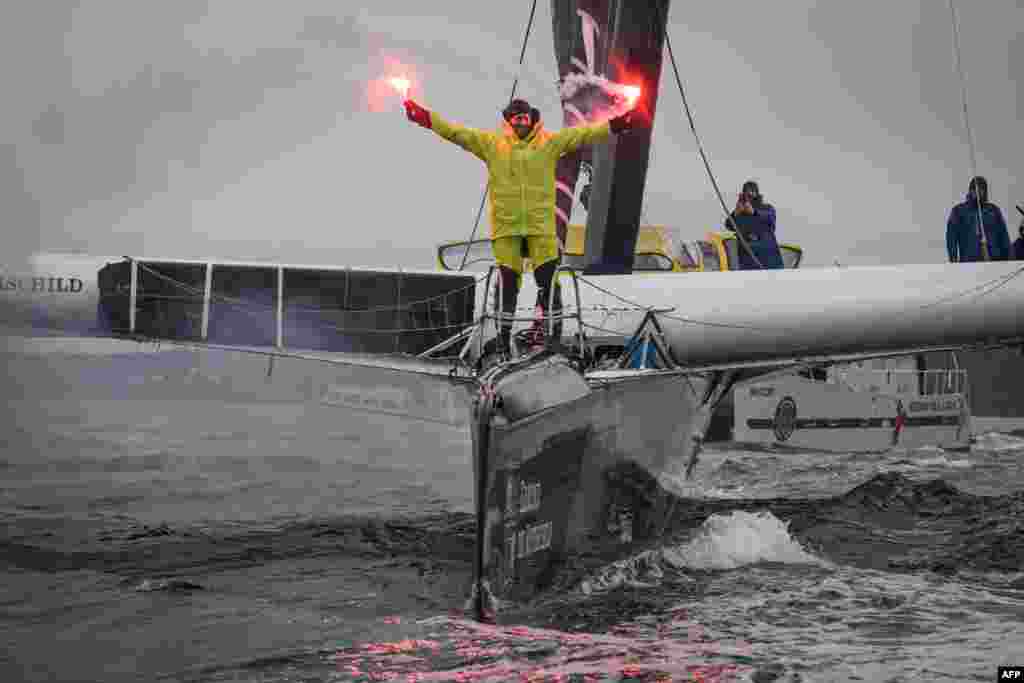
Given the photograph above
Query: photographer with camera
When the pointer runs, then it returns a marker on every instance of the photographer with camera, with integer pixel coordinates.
(754, 219)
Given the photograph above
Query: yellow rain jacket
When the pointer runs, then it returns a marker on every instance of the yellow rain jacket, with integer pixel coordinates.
(521, 173)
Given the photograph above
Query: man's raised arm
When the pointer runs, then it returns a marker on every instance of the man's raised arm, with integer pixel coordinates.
(477, 142)
(569, 139)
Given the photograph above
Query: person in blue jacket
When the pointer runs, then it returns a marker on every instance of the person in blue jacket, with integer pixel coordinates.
(963, 239)
(754, 219)
(1018, 245)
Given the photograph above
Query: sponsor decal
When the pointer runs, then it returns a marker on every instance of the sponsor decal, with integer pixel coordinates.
(521, 497)
(861, 422)
(41, 285)
(510, 554)
(529, 497)
(510, 496)
(935, 404)
(762, 392)
(354, 396)
(785, 422)
(526, 542)
(533, 539)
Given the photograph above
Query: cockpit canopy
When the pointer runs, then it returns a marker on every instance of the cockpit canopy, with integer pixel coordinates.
(658, 249)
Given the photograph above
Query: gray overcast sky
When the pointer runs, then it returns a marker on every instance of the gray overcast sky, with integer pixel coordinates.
(240, 128)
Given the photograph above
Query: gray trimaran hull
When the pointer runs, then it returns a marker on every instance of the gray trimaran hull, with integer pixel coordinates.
(566, 451)
(576, 462)
(565, 460)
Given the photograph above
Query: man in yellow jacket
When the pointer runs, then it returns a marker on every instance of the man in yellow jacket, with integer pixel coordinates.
(521, 159)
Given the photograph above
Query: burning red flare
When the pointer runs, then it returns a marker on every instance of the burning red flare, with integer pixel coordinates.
(398, 81)
(632, 93)
(401, 84)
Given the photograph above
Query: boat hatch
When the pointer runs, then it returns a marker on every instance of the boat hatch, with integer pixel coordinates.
(727, 252)
(654, 252)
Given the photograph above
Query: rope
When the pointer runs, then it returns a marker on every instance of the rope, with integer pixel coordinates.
(278, 353)
(988, 287)
(700, 147)
(705, 323)
(999, 282)
(963, 86)
(967, 125)
(515, 83)
(362, 330)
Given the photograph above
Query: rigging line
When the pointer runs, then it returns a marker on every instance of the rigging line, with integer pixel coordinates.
(992, 286)
(705, 323)
(515, 83)
(307, 356)
(963, 85)
(998, 285)
(988, 287)
(700, 146)
(691, 321)
(967, 125)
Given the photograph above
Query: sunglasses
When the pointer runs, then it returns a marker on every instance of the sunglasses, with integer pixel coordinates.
(519, 118)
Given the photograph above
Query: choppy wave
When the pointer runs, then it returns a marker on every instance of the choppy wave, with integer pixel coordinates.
(787, 549)
(738, 539)
(999, 441)
(723, 542)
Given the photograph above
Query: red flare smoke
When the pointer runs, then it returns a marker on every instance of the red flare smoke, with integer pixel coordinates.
(399, 80)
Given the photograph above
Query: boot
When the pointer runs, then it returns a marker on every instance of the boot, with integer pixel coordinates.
(497, 350)
(504, 341)
(534, 336)
(542, 322)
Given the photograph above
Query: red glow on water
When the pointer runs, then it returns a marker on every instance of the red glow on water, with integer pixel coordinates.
(469, 652)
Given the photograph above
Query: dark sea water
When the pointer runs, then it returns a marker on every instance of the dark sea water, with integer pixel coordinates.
(152, 540)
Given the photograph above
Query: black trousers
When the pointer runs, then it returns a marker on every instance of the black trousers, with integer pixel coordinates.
(544, 276)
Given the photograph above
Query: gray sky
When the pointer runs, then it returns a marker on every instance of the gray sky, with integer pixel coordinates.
(240, 128)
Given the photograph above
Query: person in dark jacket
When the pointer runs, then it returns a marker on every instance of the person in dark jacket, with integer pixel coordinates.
(1018, 245)
(964, 239)
(754, 219)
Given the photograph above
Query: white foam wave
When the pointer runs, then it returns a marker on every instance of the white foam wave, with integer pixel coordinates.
(737, 539)
(997, 441)
(723, 542)
(639, 571)
(942, 461)
(701, 489)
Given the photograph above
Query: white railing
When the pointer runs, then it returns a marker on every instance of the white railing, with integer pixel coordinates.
(902, 381)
